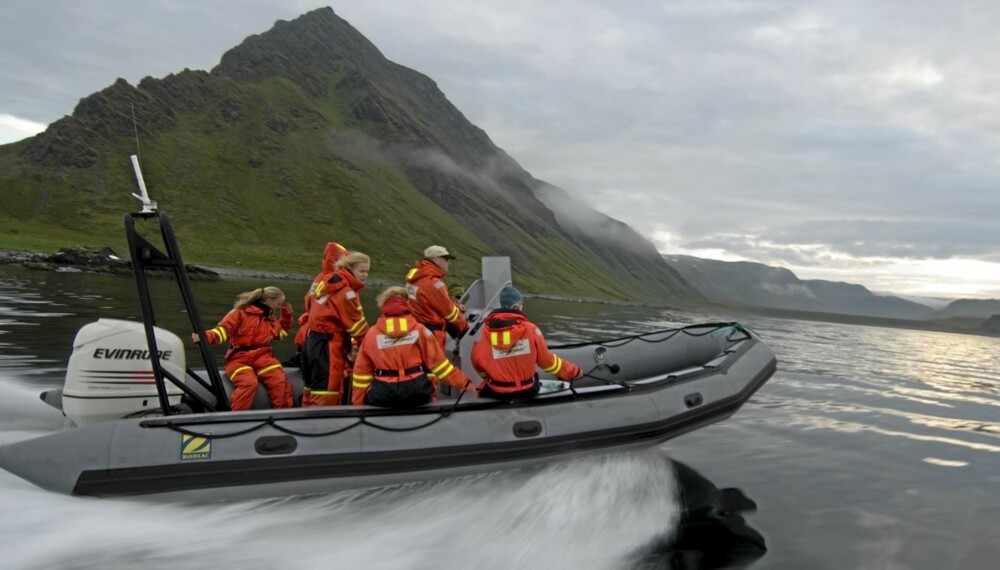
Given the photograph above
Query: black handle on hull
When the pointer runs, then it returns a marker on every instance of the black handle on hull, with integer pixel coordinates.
(527, 429)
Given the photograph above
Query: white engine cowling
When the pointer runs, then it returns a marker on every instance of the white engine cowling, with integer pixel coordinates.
(110, 375)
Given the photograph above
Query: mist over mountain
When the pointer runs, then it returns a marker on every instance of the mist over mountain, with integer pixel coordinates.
(758, 285)
(303, 134)
(932, 302)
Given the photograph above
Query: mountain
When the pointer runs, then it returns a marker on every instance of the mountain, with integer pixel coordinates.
(969, 308)
(759, 285)
(303, 134)
(991, 325)
(932, 302)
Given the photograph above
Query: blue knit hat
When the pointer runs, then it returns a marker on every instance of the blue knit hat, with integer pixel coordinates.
(509, 296)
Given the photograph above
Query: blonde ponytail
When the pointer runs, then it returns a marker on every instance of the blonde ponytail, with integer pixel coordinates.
(244, 300)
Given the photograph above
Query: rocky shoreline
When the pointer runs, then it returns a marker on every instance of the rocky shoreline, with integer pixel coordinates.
(83, 260)
(106, 261)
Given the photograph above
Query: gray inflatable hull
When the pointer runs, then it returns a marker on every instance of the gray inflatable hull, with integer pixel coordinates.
(676, 383)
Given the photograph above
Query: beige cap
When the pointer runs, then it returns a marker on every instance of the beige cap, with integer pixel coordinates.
(437, 251)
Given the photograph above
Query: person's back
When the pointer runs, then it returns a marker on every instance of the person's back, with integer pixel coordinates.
(509, 350)
(397, 357)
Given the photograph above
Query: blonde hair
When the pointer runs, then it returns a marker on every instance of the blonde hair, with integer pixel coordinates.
(352, 260)
(389, 293)
(243, 300)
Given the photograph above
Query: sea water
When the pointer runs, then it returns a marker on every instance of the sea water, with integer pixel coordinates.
(869, 448)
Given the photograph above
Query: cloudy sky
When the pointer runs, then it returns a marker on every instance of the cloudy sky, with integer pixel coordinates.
(847, 140)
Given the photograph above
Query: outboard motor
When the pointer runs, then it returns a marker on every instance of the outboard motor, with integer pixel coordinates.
(110, 375)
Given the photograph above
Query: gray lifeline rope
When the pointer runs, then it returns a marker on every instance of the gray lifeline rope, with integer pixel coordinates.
(270, 421)
(730, 328)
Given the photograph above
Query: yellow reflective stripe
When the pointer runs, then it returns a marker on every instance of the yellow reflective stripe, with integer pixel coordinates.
(411, 273)
(221, 333)
(453, 314)
(390, 325)
(357, 327)
(318, 290)
(238, 370)
(322, 392)
(494, 338)
(556, 366)
(268, 368)
(361, 380)
(443, 369)
(282, 334)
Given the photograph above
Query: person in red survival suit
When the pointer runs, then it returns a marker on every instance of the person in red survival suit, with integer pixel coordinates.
(250, 327)
(335, 319)
(428, 295)
(333, 252)
(511, 346)
(397, 356)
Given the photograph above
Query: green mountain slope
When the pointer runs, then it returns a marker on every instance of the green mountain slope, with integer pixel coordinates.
(305, 134)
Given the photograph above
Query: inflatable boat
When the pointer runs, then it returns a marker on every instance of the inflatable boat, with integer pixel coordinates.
(148, 425)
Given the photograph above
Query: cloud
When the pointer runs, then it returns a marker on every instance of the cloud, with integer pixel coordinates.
(789, 290)
(52, 54)
(819, 242)
(15, 128)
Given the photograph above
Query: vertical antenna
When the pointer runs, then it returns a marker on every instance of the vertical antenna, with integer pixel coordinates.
(135, 128)
(148, 206)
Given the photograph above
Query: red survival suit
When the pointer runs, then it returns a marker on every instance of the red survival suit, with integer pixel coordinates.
(429, 300)
(395, 360)
(507, 353)
(250, 331)
(335, 318)
(331, 254)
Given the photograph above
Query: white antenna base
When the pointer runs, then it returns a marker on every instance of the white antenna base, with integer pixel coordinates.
(148, 206)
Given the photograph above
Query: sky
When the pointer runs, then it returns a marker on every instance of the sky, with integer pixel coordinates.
(845, 140)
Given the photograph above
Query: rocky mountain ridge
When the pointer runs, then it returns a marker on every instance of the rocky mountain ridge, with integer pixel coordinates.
(303, 134)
